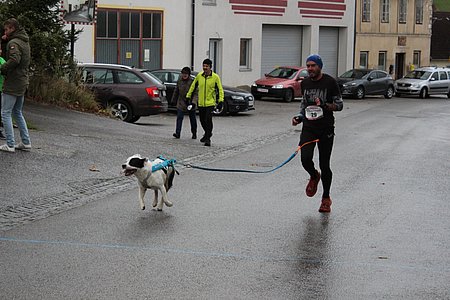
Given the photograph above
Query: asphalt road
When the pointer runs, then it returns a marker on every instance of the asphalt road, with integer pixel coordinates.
(70, 224)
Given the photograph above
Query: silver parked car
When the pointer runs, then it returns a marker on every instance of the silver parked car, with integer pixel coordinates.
(424, 82)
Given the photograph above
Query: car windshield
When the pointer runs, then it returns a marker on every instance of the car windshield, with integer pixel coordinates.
(287, 73)
(417, 74)
(355, 74)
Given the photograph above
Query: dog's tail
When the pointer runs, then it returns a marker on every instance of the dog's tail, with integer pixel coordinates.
(170, 175)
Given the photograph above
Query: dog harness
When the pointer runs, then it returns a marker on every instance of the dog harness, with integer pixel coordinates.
(166, 162)
(161, 166)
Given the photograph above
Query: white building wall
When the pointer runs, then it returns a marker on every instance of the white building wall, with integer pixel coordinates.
(176, 30)
(219, 21)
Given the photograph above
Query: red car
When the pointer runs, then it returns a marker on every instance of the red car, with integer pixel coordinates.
(282, 82)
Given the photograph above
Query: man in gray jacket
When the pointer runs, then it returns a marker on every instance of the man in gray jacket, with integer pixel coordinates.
(15, 70)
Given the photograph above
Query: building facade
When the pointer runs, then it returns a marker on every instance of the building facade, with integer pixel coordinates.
(243, 38)
(393, 35)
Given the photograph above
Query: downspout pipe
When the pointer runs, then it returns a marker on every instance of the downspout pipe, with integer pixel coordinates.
(354, 33)
(192, 34)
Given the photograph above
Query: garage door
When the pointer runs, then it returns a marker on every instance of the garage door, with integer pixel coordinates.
(281, 45)
(328, 49)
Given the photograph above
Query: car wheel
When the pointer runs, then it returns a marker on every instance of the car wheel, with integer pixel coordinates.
(223, 111)
(288, 95)
(360, 92)
(120, 109)
(389, 93)
(423, 93)
(134, 119)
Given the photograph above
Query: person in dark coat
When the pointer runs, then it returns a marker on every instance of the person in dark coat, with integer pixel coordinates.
(15, 70)
(183, 105)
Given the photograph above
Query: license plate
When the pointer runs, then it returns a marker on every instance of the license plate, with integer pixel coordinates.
(262, 90)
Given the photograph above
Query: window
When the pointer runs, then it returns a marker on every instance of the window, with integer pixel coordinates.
(443, 75)
(402, 11)
(97, 76)
(175, 77)
(128, 77)
(380, 75)
(129, 25)
(382, 60)
(163, 76)
(416, 58)
(303, 73)
(435, 76)
(151, 25)
(245, 54)
(419, 11)
(107, 24)
(384, 11)
(366, 11)
(363, 59)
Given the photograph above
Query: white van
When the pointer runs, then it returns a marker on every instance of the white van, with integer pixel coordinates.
(424, 82)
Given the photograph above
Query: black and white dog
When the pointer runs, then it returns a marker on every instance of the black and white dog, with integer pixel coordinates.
(160, 180)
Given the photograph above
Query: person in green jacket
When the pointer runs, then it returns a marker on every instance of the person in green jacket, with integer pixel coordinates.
(208, 85)
(15, 70)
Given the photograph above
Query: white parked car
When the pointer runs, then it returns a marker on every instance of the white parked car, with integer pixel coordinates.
(424, 82)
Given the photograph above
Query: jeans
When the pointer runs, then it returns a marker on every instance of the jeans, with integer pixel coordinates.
(12, 106)
(192, 118)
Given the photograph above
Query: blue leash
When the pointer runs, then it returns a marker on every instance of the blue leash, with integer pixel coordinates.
(252, 171)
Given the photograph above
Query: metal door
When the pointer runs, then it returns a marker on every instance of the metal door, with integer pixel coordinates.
(328, 49)
(215, 54)
(281, 46)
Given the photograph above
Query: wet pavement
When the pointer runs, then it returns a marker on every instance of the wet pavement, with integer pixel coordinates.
(72, 227)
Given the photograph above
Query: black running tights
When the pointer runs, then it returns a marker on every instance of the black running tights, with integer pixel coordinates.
(325, 146)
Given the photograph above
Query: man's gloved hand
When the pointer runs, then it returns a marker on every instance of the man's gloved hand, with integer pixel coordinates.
(296, 120)
(191, 106)
(330, 106)
(219, 106)
(318, 101)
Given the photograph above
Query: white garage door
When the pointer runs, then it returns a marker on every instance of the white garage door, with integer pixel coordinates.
(281, 46)
(328, 49)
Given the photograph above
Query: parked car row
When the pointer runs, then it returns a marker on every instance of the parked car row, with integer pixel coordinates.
(131, 93)
(235, 100)
(284, 82)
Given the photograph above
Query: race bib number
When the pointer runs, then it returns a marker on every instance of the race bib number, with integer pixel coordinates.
(313, 112)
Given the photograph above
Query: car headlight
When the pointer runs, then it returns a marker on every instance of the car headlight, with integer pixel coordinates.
(415, 85)
(278, 86)
(349, 84)
(238, 98)
(254, 84)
